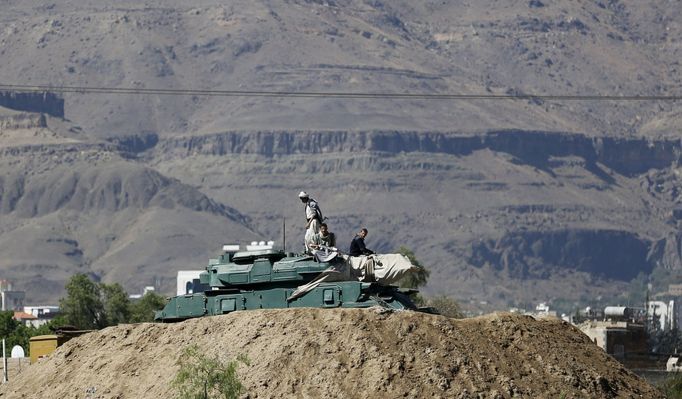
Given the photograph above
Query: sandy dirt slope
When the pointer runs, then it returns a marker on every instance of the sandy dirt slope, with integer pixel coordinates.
(315, 353)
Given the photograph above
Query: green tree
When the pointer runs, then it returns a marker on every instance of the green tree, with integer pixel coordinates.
(49, 327)
(446, 306)
(415, 279)
(116, 304)
(672, 386)
(637, 290)
(14, 331)
(203, 377)
(89, 305)
(669, 341)
(143, 310)
(17, 333)
(83, 305)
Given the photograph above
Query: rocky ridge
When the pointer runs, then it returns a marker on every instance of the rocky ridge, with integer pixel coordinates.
(543, 218)
(510, 205)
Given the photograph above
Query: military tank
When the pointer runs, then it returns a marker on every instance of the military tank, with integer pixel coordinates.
(271, 279)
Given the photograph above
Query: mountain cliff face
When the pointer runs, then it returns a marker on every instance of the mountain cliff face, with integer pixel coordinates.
(507, 206)
(628, 156)
(508, 202)
(499, 209)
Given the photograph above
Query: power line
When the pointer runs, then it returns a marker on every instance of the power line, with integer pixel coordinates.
(344, 95)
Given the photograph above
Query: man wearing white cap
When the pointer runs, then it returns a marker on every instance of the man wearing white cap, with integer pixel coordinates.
(313, 216)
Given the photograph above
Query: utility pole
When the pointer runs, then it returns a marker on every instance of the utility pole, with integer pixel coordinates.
(4, 363)
(284, 234)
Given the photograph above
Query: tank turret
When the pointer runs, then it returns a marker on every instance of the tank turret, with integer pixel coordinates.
(266, 278)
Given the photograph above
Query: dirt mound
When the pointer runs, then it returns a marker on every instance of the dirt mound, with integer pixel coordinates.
(350, 353)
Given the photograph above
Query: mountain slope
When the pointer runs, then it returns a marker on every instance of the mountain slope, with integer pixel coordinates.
(581, 48)
(508, 218)
(83, 208)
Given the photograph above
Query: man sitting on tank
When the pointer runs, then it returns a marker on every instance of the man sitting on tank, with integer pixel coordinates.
(323, 239)
(357, 246)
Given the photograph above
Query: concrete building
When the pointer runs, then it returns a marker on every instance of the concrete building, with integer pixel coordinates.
(146, 289)
(542, 310)
(673, 364)
(25, 318)
(617, 338)
(42, 313)
(675, 289)
(662, 314)
(10, 299)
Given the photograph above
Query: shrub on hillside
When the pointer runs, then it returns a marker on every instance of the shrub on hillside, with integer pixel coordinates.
(203, 377)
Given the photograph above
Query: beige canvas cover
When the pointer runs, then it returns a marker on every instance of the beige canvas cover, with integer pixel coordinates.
(385, 269)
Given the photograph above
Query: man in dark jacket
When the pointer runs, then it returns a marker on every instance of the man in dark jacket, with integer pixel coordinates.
(357, 246)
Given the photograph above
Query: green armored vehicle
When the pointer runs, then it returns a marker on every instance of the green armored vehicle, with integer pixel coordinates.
(268, 279)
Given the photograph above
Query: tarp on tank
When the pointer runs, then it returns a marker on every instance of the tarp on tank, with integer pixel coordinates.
(385, 269)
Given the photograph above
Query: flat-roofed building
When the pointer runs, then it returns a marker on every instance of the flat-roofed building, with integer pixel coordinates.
(617, 338)
(43, 314)
(675, 289)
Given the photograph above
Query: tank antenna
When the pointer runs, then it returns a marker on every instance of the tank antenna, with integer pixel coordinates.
(284, 234)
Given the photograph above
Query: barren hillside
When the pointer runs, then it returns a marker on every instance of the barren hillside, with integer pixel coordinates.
(497, 47)
(315, 353)
(85, 208)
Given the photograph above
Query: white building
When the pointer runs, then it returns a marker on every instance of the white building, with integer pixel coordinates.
(673, 364)
(146, 289)
(42, 313)
(187, 281)
(662, 314)
(10, 299)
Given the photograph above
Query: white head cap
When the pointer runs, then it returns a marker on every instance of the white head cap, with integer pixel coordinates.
(302, 194)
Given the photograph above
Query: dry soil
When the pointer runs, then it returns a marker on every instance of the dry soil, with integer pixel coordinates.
(340, 353)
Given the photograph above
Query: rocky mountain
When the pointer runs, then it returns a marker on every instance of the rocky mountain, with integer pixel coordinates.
(611, 47)
(83, 207)
(509, 202)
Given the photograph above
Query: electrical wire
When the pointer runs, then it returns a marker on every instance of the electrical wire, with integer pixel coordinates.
(343, 95)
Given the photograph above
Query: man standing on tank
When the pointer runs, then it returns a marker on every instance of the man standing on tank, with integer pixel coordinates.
(313, 216)
(357, 246)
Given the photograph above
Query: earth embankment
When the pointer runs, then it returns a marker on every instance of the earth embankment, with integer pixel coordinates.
(341, 353)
